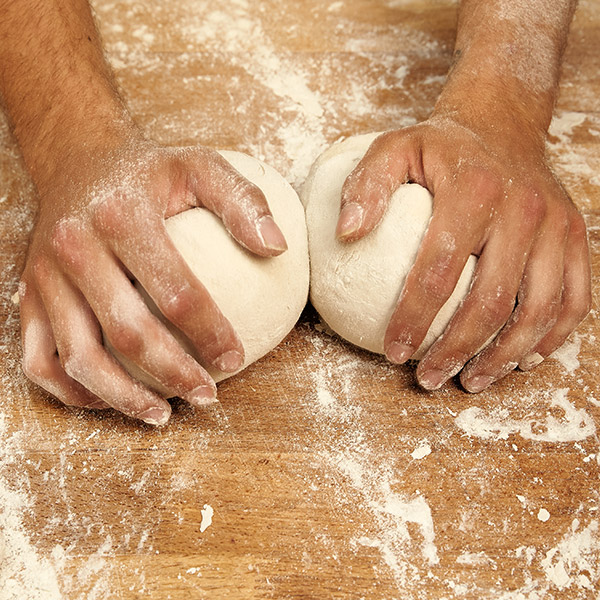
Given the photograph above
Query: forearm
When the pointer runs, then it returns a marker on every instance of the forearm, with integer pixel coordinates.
(507, 63)
(55, 84)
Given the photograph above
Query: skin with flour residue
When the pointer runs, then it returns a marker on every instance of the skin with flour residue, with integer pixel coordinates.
(77, 138)
(482, 156)
(105, 192)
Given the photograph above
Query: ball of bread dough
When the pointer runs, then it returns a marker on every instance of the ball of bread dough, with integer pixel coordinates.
(355, 286)
(261, 297)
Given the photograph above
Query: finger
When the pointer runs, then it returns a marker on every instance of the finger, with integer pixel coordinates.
(576, 295)
(388, 163)
(441, 258)
(151, 256)
(536, 312)
(40, 358)
(132, 330)
(84, 358)
(490, 301)
(240, 204)
(484, 311)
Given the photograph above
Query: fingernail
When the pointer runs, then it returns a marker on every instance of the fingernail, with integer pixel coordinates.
(203, 395)
(399, 353)
(229, 361)
(154, 416)
(478, 383)
(271, 234)
(432, 380)
(530, 361)
(350, 219)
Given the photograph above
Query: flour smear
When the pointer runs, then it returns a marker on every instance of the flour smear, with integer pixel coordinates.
(572, 425)
(311, 102)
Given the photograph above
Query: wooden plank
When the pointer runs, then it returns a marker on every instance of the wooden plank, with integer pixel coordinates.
(331, 475)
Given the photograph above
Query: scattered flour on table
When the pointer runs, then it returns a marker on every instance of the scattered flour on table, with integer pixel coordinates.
(574, 423)
(543, 515)
(368, 472)
(474, 558)
(421, 451)
(575, 561)
(23, 574)
(297, 101)
(568, 354)
(575, 163)
(207, 516)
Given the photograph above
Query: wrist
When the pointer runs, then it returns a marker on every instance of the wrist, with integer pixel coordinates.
(496, 107)
(70, 145)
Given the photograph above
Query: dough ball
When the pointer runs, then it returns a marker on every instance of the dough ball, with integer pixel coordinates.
(261, 297)
(355, 286)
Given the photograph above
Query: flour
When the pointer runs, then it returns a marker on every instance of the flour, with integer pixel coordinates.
(22, 572)
(568, 354)
(386, 516)
(207, 516)
(575, 164)
(575, 562)
(290, 106)
(474, 558)
(543, 515)
(421, 451)
(575, 424)
(564, 123)
(284, 107)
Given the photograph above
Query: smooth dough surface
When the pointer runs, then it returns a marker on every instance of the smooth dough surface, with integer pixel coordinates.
(355, 286)
(261, 297)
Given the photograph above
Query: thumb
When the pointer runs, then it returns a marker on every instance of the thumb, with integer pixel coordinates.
(240, 204)
(367, 190)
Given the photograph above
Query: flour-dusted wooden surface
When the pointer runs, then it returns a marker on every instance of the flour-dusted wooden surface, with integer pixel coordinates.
(329, 473)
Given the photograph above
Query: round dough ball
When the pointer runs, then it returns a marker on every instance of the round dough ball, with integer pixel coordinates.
(261, 297)
(355, 286)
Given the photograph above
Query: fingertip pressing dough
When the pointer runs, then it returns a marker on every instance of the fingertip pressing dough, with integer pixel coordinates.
(261, 297)
(355, 286)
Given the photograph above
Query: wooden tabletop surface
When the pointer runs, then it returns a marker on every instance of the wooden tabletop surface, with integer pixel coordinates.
(327, 472)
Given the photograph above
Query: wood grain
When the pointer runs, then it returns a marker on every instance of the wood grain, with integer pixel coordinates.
(308, 459)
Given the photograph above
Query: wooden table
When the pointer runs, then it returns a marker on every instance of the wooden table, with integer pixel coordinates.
(329, 473)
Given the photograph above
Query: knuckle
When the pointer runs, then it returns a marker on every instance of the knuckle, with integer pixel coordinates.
(578, 305)
(539, 315)
(533, 207)
(181, 305)
(483, 183)
(544, 315)
(126, 338)
(496, 307)
(109, 218)
(73, 362)
(384, 144)
(65, 236)
(438, 280)
(67, 241)
(578, 228)
(40, 269)
(37, 367)
(242, 188)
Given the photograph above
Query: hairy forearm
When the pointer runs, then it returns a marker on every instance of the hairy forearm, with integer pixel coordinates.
(55, 84)
(507, 58)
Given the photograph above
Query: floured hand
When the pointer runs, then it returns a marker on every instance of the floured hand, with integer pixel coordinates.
(502, 204)
(99, 227)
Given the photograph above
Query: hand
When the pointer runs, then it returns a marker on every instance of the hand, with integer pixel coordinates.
(494, 197)
(102, 223)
